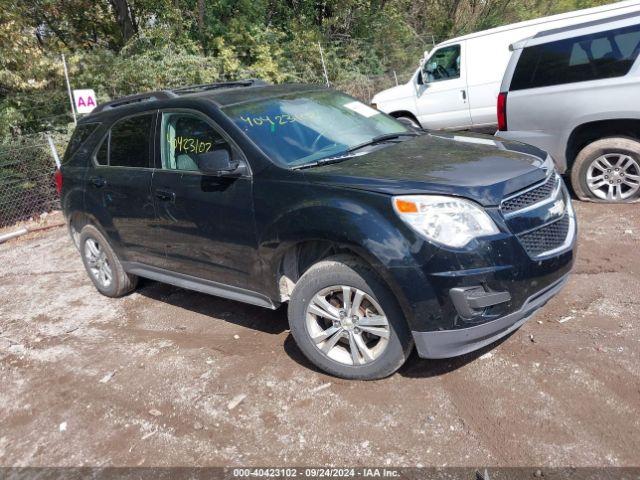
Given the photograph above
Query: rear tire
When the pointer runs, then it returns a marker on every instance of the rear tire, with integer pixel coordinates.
(594, 176)
(103, 266)
(366, 339)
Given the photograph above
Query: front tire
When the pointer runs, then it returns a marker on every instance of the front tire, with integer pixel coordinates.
(102, 264)
(608, 170)
(347, 322)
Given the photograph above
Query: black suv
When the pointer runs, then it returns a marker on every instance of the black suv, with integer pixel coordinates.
(378, 236)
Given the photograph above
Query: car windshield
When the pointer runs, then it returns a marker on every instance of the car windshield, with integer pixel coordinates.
(302, 128)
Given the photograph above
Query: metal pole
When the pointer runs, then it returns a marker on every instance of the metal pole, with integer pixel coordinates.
(324, 67)
(9, 236)
(54, 153)
(66, 76)
(396, 77)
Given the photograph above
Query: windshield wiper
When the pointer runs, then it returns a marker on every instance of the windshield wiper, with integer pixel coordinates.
(348, 153)
(323, 161)
(381, 139)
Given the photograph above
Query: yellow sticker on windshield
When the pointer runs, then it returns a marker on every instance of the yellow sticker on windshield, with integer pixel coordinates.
(362, 109)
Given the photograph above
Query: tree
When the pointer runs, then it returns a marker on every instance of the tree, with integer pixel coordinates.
(125, 18)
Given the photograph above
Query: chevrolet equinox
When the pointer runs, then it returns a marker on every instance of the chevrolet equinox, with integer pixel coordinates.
(378, 235)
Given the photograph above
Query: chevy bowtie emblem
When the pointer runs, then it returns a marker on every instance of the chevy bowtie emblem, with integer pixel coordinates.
(557, 208)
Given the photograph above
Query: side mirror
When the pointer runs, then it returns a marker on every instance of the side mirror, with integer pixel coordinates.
(217, 162)
(420, 79)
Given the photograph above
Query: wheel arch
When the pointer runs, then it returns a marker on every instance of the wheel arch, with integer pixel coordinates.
(77, 219)
(300, 256)
(312, 231)
(404, 113)
(589, 132)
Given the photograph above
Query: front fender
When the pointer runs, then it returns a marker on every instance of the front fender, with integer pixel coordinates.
(361, 222)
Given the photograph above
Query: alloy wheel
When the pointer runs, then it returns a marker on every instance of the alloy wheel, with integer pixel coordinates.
(98, 263)
(347, 325)
(614, 176)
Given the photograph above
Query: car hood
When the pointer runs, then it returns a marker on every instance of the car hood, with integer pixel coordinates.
(395, 93)
(477, 167)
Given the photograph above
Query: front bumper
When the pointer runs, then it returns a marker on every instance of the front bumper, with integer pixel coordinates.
(458, 301)
(451, 343)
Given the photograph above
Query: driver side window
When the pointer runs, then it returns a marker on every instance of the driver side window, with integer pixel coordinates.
(444, 64)
(184, 137)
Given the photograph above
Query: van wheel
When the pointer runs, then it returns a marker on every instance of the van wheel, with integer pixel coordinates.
(608, 170)
(102, 264)
(347, 322)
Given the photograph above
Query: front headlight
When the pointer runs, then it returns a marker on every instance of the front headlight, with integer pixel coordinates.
(447, 220)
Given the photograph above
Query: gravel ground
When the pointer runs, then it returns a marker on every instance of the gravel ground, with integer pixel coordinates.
(169, 377)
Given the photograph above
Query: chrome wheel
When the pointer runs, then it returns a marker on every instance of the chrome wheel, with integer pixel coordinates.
(98, 263)
(614, 176)
(347, 325)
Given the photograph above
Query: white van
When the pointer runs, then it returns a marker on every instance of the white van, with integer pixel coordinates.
(457, 86)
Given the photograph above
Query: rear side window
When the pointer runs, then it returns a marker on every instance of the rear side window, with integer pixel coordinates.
(80, 135)
(589, 57)
(130, 143)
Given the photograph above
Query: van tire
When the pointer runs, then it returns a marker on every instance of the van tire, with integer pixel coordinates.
(595, 150)
(121, 283)
(345, 270)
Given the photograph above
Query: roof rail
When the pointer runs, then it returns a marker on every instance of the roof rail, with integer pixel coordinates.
(140, 97)
(250, 82)
(167, 94)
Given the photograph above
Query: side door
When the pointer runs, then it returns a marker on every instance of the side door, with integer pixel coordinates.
(118, 189)
(205, 221)
(442, 97)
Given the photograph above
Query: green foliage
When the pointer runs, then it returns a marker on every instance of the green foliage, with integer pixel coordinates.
(119, 47)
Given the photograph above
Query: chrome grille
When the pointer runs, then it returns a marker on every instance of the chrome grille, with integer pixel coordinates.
(547, 238)
(531, 197)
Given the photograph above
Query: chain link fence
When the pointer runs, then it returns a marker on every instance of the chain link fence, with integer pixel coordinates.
(27, 187)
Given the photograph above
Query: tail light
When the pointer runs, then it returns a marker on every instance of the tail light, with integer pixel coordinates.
(502, 111)
(57, 177)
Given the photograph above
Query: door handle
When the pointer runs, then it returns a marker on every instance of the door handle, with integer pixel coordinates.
(464, 94)
(165, 195)
(98, 182)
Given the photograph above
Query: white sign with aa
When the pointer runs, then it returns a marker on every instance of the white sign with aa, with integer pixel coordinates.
(85, 100)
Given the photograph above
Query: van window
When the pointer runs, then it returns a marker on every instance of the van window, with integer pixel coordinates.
(184, 136)
(80, 135)
(444, 64)
(589, 57)
(130, 144)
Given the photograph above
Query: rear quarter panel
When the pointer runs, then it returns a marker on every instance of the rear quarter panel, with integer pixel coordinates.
(74, 174)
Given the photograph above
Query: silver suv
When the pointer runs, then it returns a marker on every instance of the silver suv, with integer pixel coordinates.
(575, 92)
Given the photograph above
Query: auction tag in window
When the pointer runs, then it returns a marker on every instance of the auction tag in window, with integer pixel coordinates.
(362, 109)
